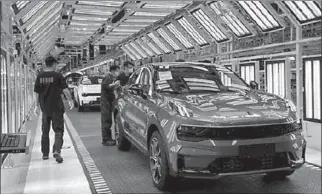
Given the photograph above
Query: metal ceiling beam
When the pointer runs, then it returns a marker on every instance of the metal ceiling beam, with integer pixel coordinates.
(135, 7)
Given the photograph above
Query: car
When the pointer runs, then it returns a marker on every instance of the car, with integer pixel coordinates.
(198, 120)
(87, 93)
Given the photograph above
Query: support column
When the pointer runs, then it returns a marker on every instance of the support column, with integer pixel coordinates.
(299, 77)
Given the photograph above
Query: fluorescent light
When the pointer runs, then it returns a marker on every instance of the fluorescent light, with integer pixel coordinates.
(193, 33)
(150, 14)
(125, 30)
(79, 23)
(234, 24)
(132, 51)
(133, 25)
(84, 18)
(260, 15)
(45, 12)
(120, 33)
(168, 39)
(209, 25)
(159, 43)
(33, 11)
(102, 3)
(93, 12)
(144, 47)
(45, 28)
(139, 50)
(169, 5)
(179, 36)
(144, 39)
(142, 20)
(128, 53)
(21, 4)
(304, 11)
(50, 16)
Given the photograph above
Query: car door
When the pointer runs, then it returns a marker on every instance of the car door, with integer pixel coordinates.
(127, 105)
(142, 105)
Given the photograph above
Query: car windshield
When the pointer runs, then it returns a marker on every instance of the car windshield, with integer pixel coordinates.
(92, 80)
(197, 78)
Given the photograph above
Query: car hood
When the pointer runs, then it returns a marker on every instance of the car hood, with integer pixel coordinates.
(227, 108)
(96, 88)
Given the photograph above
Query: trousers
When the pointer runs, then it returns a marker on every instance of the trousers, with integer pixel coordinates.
(57, 121)
(106, 120)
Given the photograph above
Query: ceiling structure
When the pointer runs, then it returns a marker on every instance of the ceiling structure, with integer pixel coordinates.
(145, 29)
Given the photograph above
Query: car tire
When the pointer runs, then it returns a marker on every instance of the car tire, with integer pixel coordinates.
(121, 142)
(165, 181)
(280, 174)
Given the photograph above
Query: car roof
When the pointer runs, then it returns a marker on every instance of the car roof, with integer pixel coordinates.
(154, 65)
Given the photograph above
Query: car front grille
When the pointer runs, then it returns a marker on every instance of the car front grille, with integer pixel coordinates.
(240, 164)
(251, 132)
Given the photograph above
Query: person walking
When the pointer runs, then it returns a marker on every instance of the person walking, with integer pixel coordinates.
(108, 86)
(49, 86)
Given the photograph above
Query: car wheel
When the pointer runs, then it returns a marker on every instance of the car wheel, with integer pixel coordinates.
(280, 174)
(159, 164)
(121, 142)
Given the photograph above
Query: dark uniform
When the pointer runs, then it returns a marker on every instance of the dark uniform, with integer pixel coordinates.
(107, 99)
(49, 85)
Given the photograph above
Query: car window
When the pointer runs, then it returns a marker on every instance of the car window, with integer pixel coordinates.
(145, 76)
(133, 78)
(196, 78)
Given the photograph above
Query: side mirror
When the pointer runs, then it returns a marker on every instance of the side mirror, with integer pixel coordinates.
(253, 85)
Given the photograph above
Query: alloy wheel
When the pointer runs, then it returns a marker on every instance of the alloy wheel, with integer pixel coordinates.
(155, 160)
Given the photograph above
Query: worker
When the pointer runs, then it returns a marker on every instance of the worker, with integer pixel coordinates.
(128, 70)
(49, 86)
(108, 86)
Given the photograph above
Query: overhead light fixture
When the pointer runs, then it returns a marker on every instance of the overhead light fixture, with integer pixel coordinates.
(260, 15)
(158, 42)
(179, 36)
(209, 25)
(192, 31)
(167, 38)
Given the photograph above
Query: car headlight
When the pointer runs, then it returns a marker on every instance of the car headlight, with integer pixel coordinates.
(181, 110)
(84, 94)
(190, 133)
(289, 103)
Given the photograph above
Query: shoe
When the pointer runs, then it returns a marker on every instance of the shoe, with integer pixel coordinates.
(45, 157)
(58, 158)
(109, 143)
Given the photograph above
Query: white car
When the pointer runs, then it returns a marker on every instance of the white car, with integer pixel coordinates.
(87, 93)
